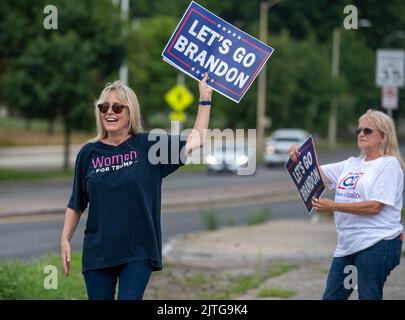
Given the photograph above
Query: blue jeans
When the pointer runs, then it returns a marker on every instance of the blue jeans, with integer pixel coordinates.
(373, 265)
(133, 278)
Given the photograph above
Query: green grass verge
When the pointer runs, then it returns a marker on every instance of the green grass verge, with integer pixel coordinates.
(323, 147)
(260, 216)
(210, 219)
(28, 280)
(37, 125)
(29, 175)
(41, 175)
(192, 167)
(276, 293)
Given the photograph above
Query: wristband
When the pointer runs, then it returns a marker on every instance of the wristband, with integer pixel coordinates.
(205, 102)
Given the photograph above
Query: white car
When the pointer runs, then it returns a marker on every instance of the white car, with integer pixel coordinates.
(222, 159)
(277, 145)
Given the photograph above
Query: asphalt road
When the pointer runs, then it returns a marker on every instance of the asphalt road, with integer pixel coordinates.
(33, 237)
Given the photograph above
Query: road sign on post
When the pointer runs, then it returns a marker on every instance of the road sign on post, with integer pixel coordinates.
(389, 99)
(179, 98)
(390, 68)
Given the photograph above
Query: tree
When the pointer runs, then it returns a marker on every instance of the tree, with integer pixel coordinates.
(59, 71)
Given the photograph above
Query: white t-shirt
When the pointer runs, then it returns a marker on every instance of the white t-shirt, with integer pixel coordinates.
(357, 180)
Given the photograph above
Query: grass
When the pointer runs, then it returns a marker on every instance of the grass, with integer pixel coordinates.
(26, 280)
(260, 217)
(34, 175)
(210, 219)
(280, 269)
(14, 132)
(192, 167)
(276, 293)
(323, 147)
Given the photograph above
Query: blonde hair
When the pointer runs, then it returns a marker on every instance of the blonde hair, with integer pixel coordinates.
(385, 125)
(127, 97)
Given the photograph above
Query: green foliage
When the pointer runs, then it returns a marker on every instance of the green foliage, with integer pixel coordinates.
(58, 71)
(210, 219)
(42, 175)
(260, 217)
(276, 293)
(49, 74)
(26, 280)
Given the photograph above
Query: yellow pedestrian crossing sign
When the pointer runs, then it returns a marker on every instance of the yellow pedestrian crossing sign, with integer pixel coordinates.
(179, 98)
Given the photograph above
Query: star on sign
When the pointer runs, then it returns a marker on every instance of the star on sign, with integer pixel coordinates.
(234, 34)
(192, 69)
(229, 31)
(239, 37)
(219, 26)
(198, 72)
(223, 28)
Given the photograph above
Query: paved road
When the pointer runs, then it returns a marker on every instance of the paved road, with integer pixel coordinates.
(233, 198)
(181, 192)
(29, 239)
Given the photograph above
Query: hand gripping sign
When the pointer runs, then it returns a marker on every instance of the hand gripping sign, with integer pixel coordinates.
(305, 173)
(203, 42)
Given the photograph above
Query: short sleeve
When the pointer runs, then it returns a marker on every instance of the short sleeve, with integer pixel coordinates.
(333, 171)
(176, 156)
(388, 183)
(78, 199)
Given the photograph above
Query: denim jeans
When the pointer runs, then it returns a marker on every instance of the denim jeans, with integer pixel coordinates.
(133, 278)
(373, 265)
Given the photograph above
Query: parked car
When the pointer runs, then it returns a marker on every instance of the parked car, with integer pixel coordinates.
(276, 147)
(222, 159)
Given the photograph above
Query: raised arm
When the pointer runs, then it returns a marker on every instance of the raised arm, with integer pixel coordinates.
(198, 134)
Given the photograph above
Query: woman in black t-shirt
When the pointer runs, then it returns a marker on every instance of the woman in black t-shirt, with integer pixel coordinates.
(118, 178)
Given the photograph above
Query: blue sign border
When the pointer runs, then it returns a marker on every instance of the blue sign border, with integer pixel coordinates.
(220, 24)
(289, 165)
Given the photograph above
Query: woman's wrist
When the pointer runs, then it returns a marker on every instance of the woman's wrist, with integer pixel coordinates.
(205, 98)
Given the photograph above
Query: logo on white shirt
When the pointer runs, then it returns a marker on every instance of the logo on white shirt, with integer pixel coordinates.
(349, 182)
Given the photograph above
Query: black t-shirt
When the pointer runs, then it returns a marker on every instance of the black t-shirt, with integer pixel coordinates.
(122, 188)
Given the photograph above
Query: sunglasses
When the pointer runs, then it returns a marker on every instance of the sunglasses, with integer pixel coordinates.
(366, 131)
(116, 107)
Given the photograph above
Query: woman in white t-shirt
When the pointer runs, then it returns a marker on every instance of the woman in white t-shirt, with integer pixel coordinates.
(367, 210)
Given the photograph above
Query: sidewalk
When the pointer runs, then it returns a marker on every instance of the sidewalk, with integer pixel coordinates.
(308, 245)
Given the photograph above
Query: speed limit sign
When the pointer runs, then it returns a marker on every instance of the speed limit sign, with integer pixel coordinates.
(390, 68)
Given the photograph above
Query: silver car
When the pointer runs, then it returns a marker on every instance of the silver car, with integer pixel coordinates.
(277, 145)
(224, 159)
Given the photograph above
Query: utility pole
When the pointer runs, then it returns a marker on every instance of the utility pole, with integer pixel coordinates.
(332, 130)
(261, 90)
(124, 16)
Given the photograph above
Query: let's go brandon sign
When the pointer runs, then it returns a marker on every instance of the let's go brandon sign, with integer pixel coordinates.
(203, 42)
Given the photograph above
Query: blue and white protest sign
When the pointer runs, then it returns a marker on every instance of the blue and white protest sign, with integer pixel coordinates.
(203, 42)
(305, 173)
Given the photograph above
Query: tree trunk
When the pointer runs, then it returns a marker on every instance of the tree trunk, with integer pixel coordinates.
(51, 126)
(67, 132)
